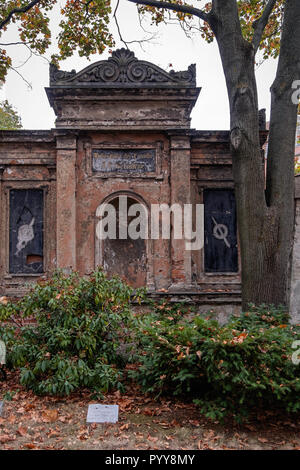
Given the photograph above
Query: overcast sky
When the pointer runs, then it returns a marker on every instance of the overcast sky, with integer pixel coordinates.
(170, 46)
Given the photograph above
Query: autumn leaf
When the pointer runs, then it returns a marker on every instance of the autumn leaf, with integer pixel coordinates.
(49, 416)
(124, 426)
(30, 445)
(194, 422)
(6, 438)
(22, 431)
(262, 439)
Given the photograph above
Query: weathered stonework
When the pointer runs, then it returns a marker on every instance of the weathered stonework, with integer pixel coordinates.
(122, 128)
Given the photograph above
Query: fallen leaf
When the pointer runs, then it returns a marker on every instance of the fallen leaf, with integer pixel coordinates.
(49, 416)
(262, 439)
(6, 438)
(22, 431)
(194, 422)
(251, 428)
(30, 445)
(124, 426)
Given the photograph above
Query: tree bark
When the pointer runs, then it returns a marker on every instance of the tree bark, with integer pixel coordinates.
(281, 148)
(265, 223)
(265, 208)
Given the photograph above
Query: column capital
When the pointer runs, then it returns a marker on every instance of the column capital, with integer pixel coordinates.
(66, 142)
(180, 142)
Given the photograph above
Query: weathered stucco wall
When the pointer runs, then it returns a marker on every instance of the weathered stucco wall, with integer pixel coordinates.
(94, 188)
(27, 161)
(113, 108)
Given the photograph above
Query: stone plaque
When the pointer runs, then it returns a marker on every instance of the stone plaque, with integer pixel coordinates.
(124, 161)
(102, 414)
(1, 407)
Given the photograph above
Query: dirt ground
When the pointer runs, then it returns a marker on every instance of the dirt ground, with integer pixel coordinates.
(37, 423)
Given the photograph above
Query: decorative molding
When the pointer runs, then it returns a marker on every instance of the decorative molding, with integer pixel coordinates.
(123, 69)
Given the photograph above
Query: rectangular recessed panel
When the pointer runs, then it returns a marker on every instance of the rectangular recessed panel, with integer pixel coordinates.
(220, 238)
(124, 161)
(26, 231)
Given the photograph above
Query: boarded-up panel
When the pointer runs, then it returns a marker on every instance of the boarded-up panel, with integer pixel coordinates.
(26, 231)
(126, 257)
(220, 249)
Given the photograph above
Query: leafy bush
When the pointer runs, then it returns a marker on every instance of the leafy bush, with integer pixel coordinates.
(74, 342)
(225, 369)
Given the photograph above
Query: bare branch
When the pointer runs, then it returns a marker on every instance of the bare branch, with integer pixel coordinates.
(174, 7)
(18, 10)
(135, 41)
(13, 43)
(117, 24)
(26, 44)
(260, 24)
(25, 61)
(23, 78)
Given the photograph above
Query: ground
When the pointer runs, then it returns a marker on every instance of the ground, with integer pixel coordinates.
(37, 423)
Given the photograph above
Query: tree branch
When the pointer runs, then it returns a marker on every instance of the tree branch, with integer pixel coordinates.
(23, 78)
(260, 24)
(117, 24)
(175, 7)
(17, 10)
(135, 41)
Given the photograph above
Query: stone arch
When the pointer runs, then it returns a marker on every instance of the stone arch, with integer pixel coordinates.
(131, 259)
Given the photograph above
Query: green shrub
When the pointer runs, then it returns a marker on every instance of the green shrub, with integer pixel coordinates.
(75, 340)
(225, 369)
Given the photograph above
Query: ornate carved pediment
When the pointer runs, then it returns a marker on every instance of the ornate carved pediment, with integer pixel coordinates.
(123, 69)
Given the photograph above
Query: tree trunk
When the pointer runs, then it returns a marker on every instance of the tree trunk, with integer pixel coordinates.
(265, 226)
(281, 148)
(265, 208)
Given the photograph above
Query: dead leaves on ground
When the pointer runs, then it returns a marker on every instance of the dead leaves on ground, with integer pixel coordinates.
(49, 416)
(35, 423)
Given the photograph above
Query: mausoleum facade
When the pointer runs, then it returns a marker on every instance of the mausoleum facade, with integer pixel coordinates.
(122, 129)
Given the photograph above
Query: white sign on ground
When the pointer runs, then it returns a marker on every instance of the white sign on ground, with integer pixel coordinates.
(2, 353)
(102, 414)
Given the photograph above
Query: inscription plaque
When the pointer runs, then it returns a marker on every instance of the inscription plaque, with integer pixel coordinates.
(102, 414)
(124, 161)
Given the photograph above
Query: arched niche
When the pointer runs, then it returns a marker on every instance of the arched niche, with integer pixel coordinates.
(131, 259)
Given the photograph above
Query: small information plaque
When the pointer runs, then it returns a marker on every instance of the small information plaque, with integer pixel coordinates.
(102, 414)
(2, 352)
(1, 407)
